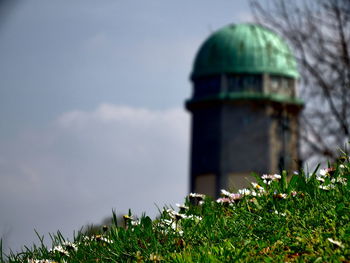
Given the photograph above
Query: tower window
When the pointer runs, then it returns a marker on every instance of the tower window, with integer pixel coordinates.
(207, 86)
(281, 85)
(284, 132)
(245, 83)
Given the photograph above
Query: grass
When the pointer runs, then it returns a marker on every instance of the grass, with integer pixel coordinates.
(302, 218)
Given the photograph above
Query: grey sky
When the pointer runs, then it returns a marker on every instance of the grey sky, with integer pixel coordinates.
(91, 107)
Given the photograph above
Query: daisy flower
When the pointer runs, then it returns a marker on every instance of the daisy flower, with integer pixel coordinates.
(335, 242)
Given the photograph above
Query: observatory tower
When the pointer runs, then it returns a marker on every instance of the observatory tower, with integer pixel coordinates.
(244, 108)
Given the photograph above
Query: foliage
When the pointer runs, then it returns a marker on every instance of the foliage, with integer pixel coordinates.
(303, 218)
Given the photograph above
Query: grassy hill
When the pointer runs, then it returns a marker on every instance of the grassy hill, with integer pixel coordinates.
(302, 218)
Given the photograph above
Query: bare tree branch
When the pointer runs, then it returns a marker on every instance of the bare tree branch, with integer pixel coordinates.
(319, 33)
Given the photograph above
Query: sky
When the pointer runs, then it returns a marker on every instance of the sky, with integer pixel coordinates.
(92, 111)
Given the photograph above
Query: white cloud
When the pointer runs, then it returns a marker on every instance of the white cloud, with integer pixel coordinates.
(86, 163)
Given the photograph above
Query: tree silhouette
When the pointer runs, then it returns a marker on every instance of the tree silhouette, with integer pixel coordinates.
(319, 33)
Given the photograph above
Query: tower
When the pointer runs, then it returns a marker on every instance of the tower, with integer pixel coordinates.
(244, 108)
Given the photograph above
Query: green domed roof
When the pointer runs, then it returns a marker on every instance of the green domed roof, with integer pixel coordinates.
(244, 48)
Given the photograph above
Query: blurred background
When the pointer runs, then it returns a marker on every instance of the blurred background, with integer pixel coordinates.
(91, 108)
